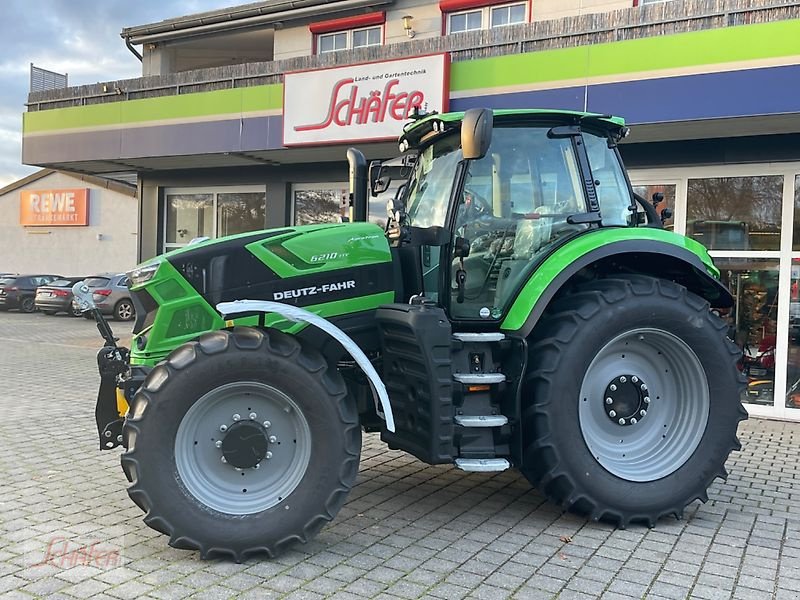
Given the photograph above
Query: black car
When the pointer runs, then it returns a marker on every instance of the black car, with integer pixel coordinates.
(19, 291)
(56, 296)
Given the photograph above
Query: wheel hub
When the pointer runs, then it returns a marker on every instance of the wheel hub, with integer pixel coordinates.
(626, 400)
(245, 444)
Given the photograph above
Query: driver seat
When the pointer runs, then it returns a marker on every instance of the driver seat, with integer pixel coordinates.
(533, 234)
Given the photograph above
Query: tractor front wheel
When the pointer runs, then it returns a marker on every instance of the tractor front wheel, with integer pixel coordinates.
(632, 401)
(240, 443)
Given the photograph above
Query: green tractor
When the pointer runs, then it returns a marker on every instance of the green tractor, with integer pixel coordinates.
(521, 308)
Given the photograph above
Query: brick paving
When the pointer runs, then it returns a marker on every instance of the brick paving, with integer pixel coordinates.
(408, 530)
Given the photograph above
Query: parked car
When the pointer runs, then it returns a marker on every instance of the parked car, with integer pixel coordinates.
(19, 291)
(56, 296)
(110, 294)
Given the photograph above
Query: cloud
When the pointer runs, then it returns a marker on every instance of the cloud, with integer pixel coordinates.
(77, 37)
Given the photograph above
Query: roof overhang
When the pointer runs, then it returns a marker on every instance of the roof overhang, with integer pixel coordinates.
(258, 14)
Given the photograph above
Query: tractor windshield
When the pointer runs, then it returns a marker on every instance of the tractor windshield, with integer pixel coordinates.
(431, 182)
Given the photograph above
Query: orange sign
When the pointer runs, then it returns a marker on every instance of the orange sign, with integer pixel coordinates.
(54, 208)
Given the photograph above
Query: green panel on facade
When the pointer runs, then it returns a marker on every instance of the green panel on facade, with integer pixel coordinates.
(187, 106)
(679, 51)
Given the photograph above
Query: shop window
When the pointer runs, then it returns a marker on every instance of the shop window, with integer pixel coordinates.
(487, 17)
(752, 321)
(796, 236)
(320, 203)
(190, 214)
(668, 191)
(348, 40)
(793, 364)
(735, 213)
(239, 212)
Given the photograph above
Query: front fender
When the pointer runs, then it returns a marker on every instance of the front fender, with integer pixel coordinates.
(652, 252)
(295, 313)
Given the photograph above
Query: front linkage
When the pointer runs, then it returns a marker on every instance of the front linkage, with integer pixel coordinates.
(116, 381)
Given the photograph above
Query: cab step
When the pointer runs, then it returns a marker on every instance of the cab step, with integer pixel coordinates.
(481, 420)
(479, 337)
(479, 378)
(482, 465)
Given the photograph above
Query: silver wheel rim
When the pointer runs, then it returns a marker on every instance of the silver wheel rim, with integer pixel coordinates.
(220, 485)
(124, 311)
(674, 397)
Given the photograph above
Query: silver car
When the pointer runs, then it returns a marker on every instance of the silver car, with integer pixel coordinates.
(110, 294)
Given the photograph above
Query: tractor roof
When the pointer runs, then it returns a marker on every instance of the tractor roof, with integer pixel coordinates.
(421, 131)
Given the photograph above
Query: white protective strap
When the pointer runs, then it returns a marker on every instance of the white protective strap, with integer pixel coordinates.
(296, 314)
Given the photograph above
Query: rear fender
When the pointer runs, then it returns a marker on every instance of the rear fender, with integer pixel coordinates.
(646, 257)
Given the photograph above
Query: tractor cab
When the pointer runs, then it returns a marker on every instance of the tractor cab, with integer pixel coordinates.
(491, 195)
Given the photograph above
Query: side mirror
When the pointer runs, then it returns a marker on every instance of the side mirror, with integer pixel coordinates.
(476, 133)
(378, 183)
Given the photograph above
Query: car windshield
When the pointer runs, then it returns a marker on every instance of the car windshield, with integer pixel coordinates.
(431, 183)
(96, 281)
(7, 280)
(61, 283)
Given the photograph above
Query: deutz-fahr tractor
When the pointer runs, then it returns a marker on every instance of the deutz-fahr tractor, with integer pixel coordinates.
(521, 308)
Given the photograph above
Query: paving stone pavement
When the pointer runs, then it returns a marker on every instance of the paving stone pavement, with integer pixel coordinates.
(408, 530)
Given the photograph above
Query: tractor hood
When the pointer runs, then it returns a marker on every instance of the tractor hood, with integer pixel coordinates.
(329, 269)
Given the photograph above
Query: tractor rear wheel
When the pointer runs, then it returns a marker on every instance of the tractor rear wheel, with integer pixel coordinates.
(632, 400)
(242, 442)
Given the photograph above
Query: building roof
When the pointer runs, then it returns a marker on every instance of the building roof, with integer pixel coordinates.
(114, 186)
(244, 15)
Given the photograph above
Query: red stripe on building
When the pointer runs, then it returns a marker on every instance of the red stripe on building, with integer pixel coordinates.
(375, 18)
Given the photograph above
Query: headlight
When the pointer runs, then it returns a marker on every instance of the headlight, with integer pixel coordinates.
(143, 274)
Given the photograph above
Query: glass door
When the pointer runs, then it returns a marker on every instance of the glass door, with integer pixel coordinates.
(189, 215)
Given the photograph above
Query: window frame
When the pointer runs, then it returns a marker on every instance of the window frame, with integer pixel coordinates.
(349, 36)
(485, 11)
(213, 191)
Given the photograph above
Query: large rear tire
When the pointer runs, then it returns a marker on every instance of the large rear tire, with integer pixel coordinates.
(278, 416)
(632, 400)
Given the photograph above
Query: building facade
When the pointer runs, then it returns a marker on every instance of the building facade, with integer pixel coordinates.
(243, 115)
(72, 225)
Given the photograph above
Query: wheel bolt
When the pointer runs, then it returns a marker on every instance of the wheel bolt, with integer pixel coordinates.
(642, 413)
(223, 459)
(609, 400)
(218, 443)
(107, 433)
(647, 399)
(644, 388)
(236, 417)
(257, 466)
(623, 379)
(613, 387)
(633, 421)
(635, 379)
(622, 421)
(223, 428)
(253, 416)
(268, 455)
(272, 439)
(612, 413)
(267, 424)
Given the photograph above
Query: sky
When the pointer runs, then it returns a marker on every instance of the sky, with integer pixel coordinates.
(78, 37)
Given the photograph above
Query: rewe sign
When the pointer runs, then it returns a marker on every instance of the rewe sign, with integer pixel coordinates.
(370, 101)
(54, 207)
